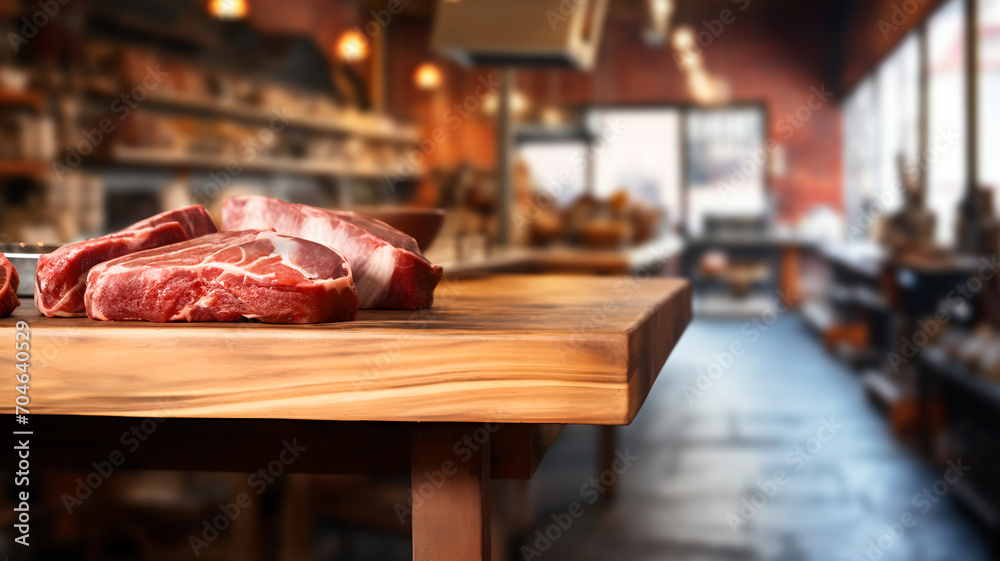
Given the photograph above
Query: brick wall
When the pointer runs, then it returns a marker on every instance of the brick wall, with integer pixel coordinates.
(774, 60)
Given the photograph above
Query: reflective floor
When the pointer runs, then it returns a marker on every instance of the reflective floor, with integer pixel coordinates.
(774, 454)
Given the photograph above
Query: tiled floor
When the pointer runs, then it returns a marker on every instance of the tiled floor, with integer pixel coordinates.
(760, 418)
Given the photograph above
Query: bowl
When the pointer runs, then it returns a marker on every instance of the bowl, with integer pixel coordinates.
(422, 224)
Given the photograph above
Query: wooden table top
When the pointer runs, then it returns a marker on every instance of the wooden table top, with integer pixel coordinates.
(504, 348)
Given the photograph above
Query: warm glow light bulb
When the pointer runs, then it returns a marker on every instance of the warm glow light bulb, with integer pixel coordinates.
(428, 76)
(683, 38)
(552, 116)
(519, 103)
(352, 46)
(228, 9)
(661, 10)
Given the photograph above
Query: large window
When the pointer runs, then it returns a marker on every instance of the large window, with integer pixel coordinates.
(989, 97)
(946, 176)
(861, 148)
(635, 150)
(726, 164)
(640, 154)
(898, 92)
(557, 168)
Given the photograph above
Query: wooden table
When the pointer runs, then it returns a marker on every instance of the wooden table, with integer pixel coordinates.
(481, 384)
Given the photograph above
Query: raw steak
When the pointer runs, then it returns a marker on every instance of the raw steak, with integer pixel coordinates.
(389, 269)
(194, 219)
(8, 287)
(225, 276)
(62, 275)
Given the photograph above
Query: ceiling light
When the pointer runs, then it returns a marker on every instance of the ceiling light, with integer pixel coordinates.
(552, 116)
(352, 46)
(683, 39)
(428, 76)
(228, 9)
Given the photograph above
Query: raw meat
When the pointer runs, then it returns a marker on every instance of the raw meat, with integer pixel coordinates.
(194, 219)
(8, 287)
(62, 275)
(224, 276)
(389, 269)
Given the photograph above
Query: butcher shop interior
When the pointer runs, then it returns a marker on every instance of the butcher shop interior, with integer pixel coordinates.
(345, 280)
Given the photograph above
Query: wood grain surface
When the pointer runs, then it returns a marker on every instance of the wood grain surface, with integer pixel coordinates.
(504, 348)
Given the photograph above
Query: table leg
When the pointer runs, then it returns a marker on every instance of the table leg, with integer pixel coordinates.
(450, 474)
(609, 444)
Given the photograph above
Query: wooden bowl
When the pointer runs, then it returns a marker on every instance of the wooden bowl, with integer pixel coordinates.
(605, 233)
(422, 224)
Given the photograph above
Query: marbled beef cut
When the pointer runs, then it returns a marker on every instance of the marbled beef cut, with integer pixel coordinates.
(61, 276)
(223, 277)
(389, 269)
(8, 287)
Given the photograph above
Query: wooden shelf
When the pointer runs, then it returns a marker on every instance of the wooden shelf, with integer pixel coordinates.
(158, 157)
(22, 98)
(326, 124)
(34, 168)
(960, 377)
(881, 387)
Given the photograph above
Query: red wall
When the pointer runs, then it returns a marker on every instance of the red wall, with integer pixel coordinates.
(776, 61)
(875, 27)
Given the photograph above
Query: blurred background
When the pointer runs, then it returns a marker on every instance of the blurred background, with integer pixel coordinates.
(823, 172)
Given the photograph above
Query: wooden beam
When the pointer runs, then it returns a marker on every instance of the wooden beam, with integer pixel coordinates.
(451, 486)
(73, 443)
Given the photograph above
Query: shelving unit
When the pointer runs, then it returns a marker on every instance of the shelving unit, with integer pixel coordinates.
(209, 98)
(350, 123)
(31, 168)
(16, 98)
(967, 401)
(156, 157)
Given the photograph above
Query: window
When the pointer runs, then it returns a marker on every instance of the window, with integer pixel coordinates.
(557, 168)
(989, 97)
(726, 164)
(898, 91)
(637, 150)
(861, 148)
(640, 154)
(946, 175)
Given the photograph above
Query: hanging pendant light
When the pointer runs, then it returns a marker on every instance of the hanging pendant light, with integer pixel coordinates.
(228, 9)
(428, 76)
(351, 46)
